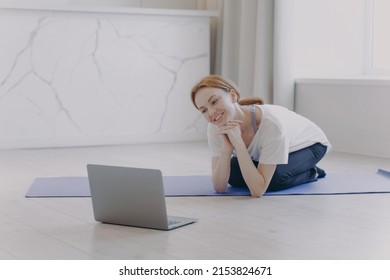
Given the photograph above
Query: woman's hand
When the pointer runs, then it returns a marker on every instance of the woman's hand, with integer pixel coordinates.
(221, 164)
(232, 133)
(256, 178)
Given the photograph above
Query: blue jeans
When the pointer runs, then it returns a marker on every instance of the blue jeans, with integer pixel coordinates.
(301, 168)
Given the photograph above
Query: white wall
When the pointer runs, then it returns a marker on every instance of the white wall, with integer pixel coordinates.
(329, 38)
(353, 113)
(329, 56)
(316, 39)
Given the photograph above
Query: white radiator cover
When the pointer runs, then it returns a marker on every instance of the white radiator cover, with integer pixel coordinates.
(354, 113)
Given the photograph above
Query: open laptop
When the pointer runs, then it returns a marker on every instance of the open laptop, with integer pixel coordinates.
(131, 197)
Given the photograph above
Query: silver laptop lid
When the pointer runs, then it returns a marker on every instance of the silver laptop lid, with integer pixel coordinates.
(130, 196)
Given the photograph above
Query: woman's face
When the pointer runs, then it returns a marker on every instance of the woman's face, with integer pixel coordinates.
(216, 105)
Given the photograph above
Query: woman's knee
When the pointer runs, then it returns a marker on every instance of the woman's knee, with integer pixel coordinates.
(319, 150)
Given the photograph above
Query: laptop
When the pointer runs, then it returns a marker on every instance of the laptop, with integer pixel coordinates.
(130, 197)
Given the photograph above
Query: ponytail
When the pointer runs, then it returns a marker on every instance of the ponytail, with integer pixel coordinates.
(251, 101)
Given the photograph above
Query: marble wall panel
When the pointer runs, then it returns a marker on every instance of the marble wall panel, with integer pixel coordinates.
(84, 78)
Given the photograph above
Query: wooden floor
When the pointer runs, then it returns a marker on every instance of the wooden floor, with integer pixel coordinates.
(285, 227)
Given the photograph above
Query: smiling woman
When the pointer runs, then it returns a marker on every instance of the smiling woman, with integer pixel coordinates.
(254, 145)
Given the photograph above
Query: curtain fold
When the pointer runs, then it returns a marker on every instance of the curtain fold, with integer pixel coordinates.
(255, 48)
(284, 80)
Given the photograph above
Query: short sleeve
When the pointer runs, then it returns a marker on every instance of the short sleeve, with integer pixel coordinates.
(274, 145)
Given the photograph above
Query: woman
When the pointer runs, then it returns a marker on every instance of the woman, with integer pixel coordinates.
(261, 147)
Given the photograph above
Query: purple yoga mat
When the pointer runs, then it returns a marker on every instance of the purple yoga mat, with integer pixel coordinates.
(332, 184)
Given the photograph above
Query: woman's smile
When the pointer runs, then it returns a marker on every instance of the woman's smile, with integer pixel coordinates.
(218, 117)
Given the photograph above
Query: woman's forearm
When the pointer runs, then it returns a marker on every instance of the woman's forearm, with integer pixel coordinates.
(252, 176)
(221, 170)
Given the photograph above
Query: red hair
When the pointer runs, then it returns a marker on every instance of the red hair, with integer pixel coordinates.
(216, 81)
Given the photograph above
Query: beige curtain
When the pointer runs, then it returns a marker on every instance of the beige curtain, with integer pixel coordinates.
(253, 47)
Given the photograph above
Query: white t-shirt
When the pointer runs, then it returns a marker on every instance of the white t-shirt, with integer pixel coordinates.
(280, 132)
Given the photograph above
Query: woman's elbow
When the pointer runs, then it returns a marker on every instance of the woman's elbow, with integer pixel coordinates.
(256, 194)
(220, 188)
